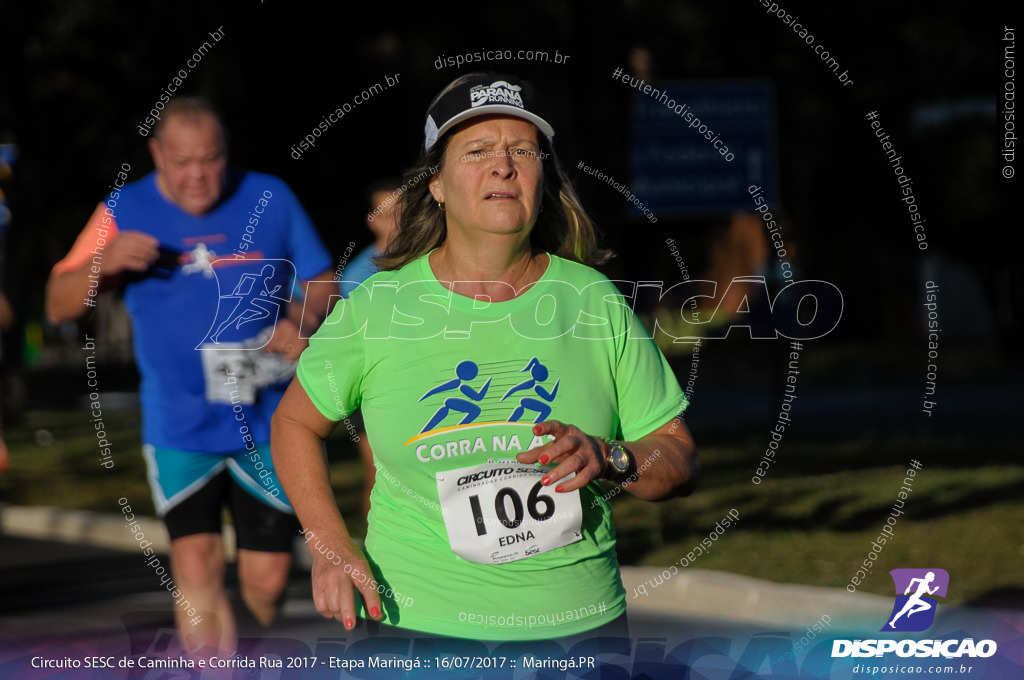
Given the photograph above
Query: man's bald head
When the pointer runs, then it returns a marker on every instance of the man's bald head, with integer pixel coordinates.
(190, 154)
(192, 109)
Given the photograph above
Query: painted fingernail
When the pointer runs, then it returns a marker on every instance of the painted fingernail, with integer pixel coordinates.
(536, 429)
(349, 625)
(545, 481)
(558, 489)
(544, 459)
(374, 612)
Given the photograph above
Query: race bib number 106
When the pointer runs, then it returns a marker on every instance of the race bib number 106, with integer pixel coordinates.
(500, 512)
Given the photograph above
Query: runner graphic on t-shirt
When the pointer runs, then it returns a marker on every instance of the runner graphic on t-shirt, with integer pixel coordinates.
(539, 373)
(464, 371)
(253, 304)
(201, 259)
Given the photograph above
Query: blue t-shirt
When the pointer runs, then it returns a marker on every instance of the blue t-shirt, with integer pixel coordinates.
(221, 280)
(358, 270)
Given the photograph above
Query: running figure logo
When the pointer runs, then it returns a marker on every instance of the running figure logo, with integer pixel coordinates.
(915, 612)
(538, 374)
(254, 302)
(464, 372)
(200, 261)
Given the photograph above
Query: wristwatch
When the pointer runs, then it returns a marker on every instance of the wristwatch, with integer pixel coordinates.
(620, 464)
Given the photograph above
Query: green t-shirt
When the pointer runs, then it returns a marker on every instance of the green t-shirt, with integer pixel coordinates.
(448, 383)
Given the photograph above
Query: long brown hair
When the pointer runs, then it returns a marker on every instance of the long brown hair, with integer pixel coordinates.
(562, 228)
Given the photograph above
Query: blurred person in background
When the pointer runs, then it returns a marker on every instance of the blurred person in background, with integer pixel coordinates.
(6, 321)
(207, 391)
(8, 154)
(382, 221)
(738, 249)
(491, 439)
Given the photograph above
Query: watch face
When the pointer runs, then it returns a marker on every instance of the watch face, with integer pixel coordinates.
(619, 458)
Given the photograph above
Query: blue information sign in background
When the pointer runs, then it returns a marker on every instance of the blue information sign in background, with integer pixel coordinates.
(677, 170)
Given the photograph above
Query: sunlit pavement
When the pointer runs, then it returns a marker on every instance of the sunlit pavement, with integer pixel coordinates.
(60, 587)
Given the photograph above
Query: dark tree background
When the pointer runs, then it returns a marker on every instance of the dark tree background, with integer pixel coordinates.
(78, 76)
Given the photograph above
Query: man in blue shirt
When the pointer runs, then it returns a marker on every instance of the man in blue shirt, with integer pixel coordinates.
(209, 256)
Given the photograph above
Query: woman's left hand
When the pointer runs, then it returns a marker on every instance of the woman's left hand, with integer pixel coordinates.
(573, 450)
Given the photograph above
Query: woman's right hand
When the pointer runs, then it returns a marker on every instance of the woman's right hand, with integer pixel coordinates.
(334, 581)
(297, 434)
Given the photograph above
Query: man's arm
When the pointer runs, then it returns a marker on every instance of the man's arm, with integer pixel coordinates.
(316, 302)
(292, 333)
(91, 266)
(306, 251)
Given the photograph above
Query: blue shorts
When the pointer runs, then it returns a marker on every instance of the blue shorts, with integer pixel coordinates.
(190, 489)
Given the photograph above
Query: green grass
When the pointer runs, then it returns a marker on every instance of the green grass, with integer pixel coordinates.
(55, 461)
(811, 520)
(806, 523)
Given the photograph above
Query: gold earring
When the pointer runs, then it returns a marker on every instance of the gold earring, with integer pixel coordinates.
(440, 206)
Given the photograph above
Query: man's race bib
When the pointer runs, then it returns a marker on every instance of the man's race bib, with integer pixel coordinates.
(499, 512)
(234, 372)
